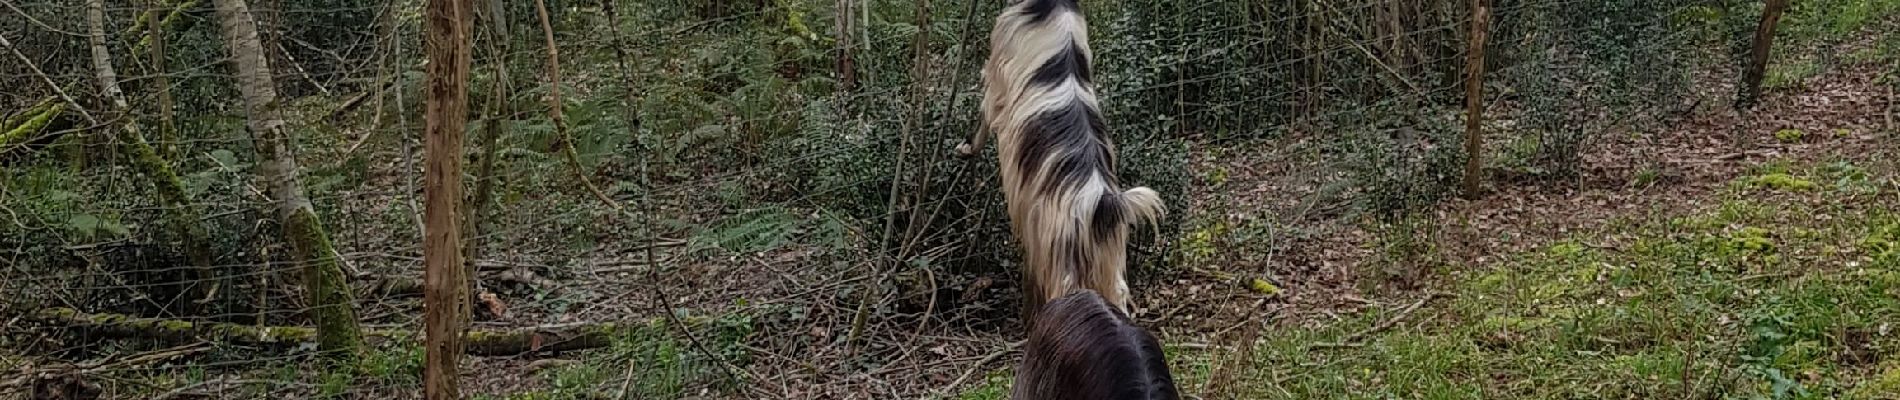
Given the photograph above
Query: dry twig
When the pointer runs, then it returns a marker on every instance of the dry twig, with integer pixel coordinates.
(1354, 339)
(980, 363)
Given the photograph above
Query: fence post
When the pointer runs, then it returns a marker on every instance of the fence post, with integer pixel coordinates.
(1474, 97)
(1758, 55)
(445, 281)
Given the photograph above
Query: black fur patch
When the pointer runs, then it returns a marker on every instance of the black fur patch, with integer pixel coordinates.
(1070, 62)
(1072, 138)
(1108, 217)
(1039, 10)
(1080, 347)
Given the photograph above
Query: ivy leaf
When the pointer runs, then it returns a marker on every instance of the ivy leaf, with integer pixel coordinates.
(225, 160)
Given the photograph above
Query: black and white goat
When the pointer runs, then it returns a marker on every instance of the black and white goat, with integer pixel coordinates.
(1058, 165)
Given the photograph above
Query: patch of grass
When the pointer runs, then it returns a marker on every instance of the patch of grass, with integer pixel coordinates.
(995, 386)
(1645, 177)
(666, 365)
(1790, 73)
(1742, 301)
(400, 365)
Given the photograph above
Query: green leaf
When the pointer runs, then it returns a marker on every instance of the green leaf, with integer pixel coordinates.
(84, 224)
(225, 159)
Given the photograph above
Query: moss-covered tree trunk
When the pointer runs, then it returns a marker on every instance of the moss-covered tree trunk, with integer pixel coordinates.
(168, 140)
(332, 306)
(171, 190)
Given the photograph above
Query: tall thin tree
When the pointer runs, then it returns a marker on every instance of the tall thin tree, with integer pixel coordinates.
(1474, 97)
(168, 140)
(171, 191)
(1757, 67)
(445, 279)
(332, 305)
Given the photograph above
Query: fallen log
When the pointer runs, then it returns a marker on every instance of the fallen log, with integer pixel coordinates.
(23, 129)
(483, 342)
(20, 117)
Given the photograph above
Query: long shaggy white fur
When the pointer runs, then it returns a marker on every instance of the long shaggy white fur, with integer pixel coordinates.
(1057, 162)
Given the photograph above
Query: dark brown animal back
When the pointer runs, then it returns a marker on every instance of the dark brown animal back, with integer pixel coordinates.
(1082, 348)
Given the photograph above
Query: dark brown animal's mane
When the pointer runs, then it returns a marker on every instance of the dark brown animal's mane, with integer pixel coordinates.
(1082, 348)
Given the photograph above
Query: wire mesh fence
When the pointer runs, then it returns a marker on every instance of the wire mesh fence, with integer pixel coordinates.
(794, 225)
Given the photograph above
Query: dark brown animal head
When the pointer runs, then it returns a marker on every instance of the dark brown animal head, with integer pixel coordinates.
(1082, 348)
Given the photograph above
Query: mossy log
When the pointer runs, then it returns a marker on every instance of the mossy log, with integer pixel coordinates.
(540, 339)
(20, 130)
(29, 112)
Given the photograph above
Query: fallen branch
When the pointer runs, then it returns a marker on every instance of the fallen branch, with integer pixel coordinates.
(1353, 339)
(106, 364)
(980, 363)
(539, 339)
(194, 390)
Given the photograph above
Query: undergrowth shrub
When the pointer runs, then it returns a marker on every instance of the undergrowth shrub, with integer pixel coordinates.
(1597, 68)
(1394, 163)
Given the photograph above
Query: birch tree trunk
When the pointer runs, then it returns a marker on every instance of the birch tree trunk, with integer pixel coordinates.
(171, 191)
(332, 305)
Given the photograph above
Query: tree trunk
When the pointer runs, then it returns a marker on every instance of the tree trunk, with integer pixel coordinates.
(168, 140)
(171, 191)
(1474, 97)
(1758, 55)
(332, 305)
(847, 66)
(171, 15)
(445, 277)
(556, 112)
(499, 111)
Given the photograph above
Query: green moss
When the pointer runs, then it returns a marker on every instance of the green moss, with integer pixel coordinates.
(175, 325)
(1789, 135)
(1201, 244)
(1782, 182)
(1217, 177)
(29, 126)
(333, 306)
(29, 113)
(184, 214)
(1752, 239)
(1884, 387)
(1262, 286)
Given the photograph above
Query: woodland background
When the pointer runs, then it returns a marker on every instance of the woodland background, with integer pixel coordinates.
(756, 199)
